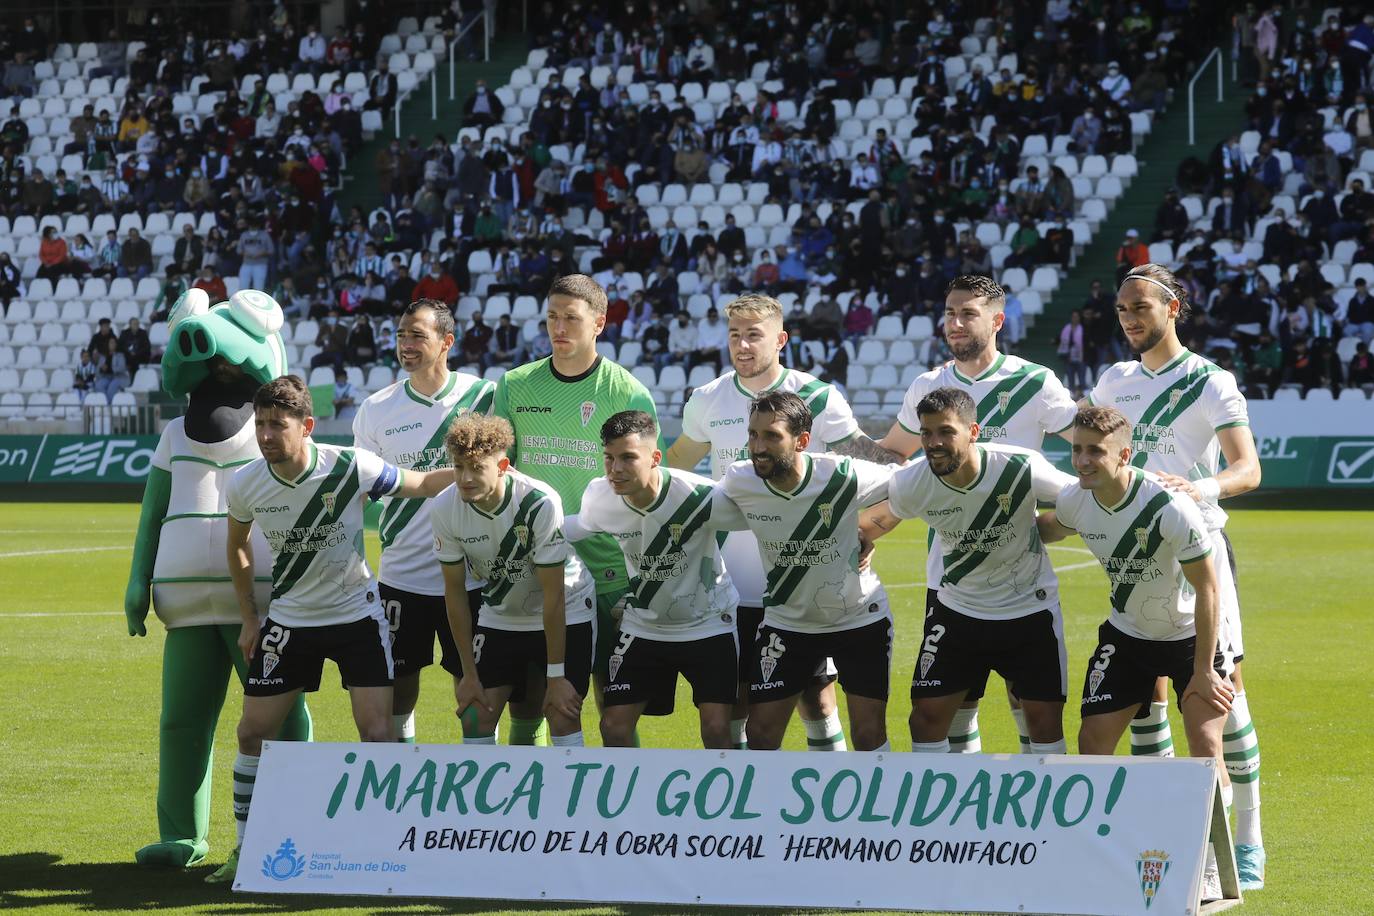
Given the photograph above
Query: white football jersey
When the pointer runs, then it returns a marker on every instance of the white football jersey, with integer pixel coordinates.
(314, 528)
(1019, 404)
(1177, 413)
(407, 428)
(504, 546)
(1141, 543)
(679, 587)
(718, 413)
(191, 586)
(994, 565)
(809, 542)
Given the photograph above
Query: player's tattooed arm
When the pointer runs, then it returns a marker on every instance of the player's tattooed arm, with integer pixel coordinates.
(861, 446)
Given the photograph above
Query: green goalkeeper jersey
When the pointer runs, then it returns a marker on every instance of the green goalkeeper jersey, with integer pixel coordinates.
(557, 421)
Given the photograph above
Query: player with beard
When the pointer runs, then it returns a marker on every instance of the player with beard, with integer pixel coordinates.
(1018, 403)
(997, 604)
(405, 423)
(715, 420)
(1187, 414)
(818, 604)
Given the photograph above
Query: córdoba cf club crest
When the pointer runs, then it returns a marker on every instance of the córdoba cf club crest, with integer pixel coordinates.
(269, 662)
(927, 659)
(1004, 502)
(328, 500)
(1003, 399)
(767, 665)
(1142, 537)
(613, 666)
(522, 534)
(1094, 681)
(1152, 866)
(1174, 397)
(675, 530)
(825, 509)
(588, 408)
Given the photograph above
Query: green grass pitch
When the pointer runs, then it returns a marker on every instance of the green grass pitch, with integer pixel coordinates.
(79, 711)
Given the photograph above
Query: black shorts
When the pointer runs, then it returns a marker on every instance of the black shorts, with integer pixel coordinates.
(958, 652)
(1123, 669)
(504, 657)
(643, 670)
(607, 629)
(747, 623)
(292, 658)
(784, 662)
(414, 621)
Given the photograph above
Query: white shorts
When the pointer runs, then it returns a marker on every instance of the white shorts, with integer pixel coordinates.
(1229, 631)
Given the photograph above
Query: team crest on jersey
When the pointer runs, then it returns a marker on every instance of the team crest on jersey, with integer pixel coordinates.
(588, 408)
(269, 662)
(927, 659)
(1004, 502)
(768, 661)
(522, 534)
(1152, 866)
(675, 530)
(1094, 681)
(1174, 397)
(328, 500)
(1003, 399)
(1142, 537)
(826, 510)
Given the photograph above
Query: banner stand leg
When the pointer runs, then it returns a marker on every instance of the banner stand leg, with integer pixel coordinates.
(1220, 837)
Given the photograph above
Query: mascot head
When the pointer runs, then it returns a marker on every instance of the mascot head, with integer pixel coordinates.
(241, 336)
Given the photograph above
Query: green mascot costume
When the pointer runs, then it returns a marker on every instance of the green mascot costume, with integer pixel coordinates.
(218, 357)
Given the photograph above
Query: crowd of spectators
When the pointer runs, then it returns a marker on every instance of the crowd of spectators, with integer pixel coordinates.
(1272, 266)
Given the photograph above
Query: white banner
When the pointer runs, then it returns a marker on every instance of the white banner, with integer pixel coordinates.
(999, 833)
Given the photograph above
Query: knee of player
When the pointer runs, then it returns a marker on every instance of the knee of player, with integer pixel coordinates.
(615, 734)
(866, 736)
(716, 735)
(250, 737)
(375, 731)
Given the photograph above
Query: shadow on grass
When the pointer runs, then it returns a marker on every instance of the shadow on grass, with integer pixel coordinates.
(30, 880)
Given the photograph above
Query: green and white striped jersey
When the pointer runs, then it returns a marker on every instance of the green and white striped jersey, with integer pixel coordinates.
(1019, 404)
(504, 547)
(718, 413)
(1177, 413)
(1141, 543)
(407, 428)
(994, 565)
(314, 527)
(809, 541)
(679, 587)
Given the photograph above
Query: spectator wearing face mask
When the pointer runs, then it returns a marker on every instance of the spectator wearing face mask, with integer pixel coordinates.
(482, 108)
(437, 284)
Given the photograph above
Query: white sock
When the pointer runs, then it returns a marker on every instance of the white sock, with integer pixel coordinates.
(1240, 747)
(480, 739)
(245, 775)
(1049, 747)
(825, 734)
(405, 727)
(737, 738)
(573, 740)
(1150, 734)
(930, 747)
(963, 732)
(1018, 715)
(885, 747)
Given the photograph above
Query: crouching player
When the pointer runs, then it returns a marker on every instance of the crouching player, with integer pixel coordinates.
(679, 614)
(1155, 548)
(538, 604)
(308, 500)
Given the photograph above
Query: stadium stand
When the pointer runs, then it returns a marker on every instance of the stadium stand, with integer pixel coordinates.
(849, 167)
(1274, 234)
